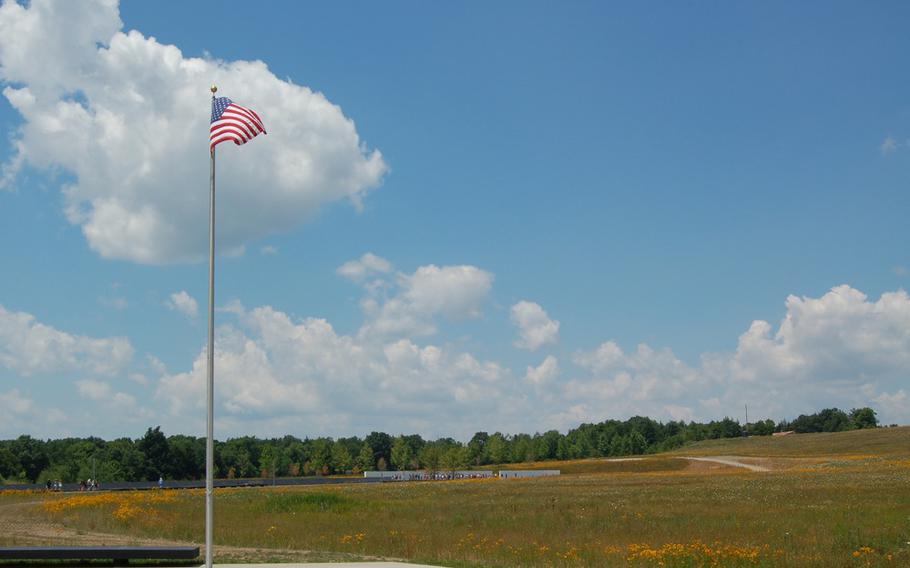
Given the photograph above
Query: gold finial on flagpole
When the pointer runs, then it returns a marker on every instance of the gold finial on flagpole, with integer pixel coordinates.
(214, 89)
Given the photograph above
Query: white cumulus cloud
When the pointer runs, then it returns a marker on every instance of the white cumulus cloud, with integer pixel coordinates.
(456, 291)
(889, 145)
(893, 406)
(306, 375)
(127, 117)
(841, 337)
(277, 374)
(100, 391)
(12, 402)
(30, 347)
(19, 414)
(184, 303)
(625, 382)
(411, 304)
(543, 373)
(837, 350)
(367, 265)
(535, 327)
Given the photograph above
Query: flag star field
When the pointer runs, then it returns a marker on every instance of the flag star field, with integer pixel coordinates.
(233, 122)
(514, 217)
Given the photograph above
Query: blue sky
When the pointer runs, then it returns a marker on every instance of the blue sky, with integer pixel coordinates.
(571, 213)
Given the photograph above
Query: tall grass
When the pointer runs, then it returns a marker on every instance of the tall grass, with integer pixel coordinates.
(881, 442)
(844, 513)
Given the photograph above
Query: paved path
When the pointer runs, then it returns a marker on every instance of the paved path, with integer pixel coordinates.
(731, 461)
(323, 565)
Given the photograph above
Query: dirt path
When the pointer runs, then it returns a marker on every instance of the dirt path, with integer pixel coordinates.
(732, 461)
(18, 528)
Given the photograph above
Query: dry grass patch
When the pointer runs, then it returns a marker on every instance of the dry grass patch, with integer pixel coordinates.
(810, 510)
(603, 465)
(879, 442)
(850, 514)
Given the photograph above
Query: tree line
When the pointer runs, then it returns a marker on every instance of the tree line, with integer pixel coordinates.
(156, 455)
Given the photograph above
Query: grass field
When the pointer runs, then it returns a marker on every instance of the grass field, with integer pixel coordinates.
(881, 442)
(847, 507)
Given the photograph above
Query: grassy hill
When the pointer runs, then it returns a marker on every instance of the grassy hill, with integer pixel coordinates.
(851, 514)
(884, 442)
(830, 509)
(633, 464)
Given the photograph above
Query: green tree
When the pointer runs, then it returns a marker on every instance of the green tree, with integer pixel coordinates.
(294, 454)
(32, 456)
(9, 464)
(268, 461)
(321, 455)
(834, 420)
(861, 418)
(81, 460)
(109, 471)
(130, 461)
(416, 443)
(547, 444)
(364, 459)
(430, 457)
(828, 420)
(55, 472)
(619, 446)
(726, 428)
(648, 428)
(381, 444)
(156, 450)
(562, 449)
(761, 428)
(341, 457)
(454, 458)
(237, 460)
(477, 448)
(603, 443)
(402, 454)
(522, 449)
(637, 443)
(187, 457)
(497, 448)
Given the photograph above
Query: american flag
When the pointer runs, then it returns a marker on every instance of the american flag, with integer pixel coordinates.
(231, 121)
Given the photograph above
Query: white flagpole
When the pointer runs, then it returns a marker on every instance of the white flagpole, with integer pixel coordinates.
(210, 384)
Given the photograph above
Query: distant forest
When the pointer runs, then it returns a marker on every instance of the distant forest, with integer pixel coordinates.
(155, 455)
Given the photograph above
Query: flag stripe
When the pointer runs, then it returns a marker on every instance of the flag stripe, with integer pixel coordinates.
(232, 122)
(242, 114)
(231, 131)
(246, 114)
(239, 118)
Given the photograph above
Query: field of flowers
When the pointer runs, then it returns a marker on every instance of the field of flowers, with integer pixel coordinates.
(850, 511)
